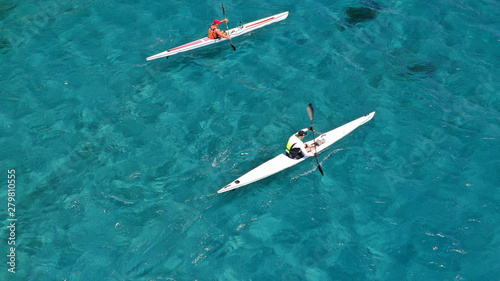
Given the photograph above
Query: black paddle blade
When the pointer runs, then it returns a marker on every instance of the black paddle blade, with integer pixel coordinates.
(234, 48)
(310, 111)
(321, 169)
(223, 10)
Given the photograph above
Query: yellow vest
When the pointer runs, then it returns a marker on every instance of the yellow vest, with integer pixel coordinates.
(291, 142)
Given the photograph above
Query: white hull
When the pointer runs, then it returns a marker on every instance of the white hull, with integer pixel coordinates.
(282, 162)
(234, 32)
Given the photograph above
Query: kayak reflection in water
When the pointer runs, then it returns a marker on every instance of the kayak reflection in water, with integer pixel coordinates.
(214, 32)
(296, 149)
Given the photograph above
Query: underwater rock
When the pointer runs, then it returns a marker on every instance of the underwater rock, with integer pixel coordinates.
(357, 15)
(5, 8)
(417, 70)
(5, 46)
(301, 41)
(421, 68)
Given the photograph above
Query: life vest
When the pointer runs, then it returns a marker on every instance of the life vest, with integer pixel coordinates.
(211, 32)
(294, 153)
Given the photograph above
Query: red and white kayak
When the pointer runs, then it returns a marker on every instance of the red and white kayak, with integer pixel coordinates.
(282, 162)
(234, 32)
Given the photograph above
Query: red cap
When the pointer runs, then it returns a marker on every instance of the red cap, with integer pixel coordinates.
(217, 22)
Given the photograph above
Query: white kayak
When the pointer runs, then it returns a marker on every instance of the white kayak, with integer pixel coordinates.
(282, 162)
(234, 32)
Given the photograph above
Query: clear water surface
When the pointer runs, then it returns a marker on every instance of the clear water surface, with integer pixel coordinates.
(118, 160)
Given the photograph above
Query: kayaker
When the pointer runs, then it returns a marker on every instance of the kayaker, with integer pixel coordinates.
(214, 32)
(296, 149)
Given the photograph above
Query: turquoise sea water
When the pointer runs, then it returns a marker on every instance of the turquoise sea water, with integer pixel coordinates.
(118, 160)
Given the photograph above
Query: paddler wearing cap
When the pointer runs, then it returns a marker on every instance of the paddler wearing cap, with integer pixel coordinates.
(214, 32)
(296, 149)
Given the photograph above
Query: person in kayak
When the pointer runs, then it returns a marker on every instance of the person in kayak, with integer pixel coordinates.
(296, 149)
(214, 32)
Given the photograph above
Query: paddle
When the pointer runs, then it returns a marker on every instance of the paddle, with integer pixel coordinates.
(310, 111)
(227, 26)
